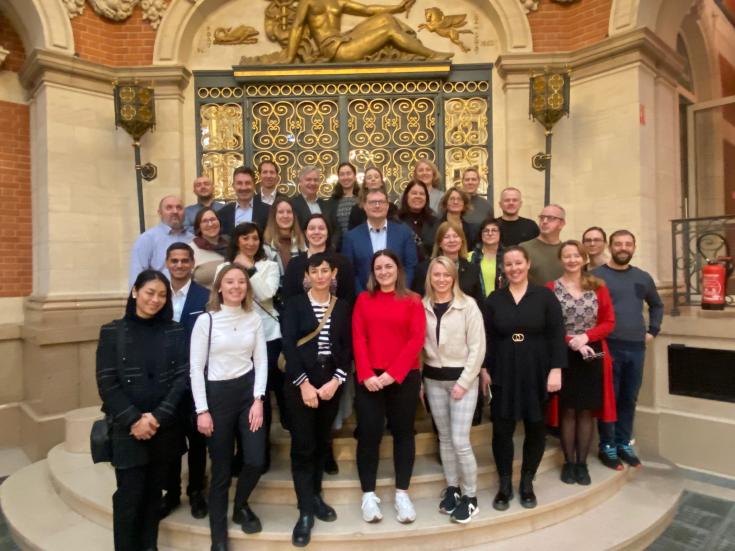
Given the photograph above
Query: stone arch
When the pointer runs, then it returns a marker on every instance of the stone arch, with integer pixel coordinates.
(183, 18)
(664, 17)
(41, 24)
(703, 60)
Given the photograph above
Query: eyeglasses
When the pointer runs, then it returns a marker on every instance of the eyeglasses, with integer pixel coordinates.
(593, 240)
(488, 231)
(549, 218)
(377, 203)
(208, 221)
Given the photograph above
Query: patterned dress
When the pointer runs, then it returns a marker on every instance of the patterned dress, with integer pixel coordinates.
(581, 386)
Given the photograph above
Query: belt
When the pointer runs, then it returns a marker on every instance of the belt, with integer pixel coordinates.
(518, 337)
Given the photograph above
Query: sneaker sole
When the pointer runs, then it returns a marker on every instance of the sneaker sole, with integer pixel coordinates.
(466, 520)
(445, 511)
(374, 520)
(405, 521)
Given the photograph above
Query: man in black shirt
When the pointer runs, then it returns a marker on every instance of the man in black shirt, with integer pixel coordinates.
(514, 229)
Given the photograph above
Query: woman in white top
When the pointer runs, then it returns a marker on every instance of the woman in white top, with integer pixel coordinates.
(229, 372)
(246, 249)
(454, 349)
(209, 246)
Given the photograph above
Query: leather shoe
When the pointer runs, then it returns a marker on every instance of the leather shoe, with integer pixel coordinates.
(504, 495)
(248, 521)
(322, 511)
(198, 505)
(167, 505)
(528, 497)
(302, 531)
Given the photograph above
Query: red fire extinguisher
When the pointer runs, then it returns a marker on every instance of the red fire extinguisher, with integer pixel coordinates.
(714, 277)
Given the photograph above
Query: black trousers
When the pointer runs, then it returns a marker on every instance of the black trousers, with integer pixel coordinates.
(135, 506)
(310, 431)
(275, 385)
(534, 444)
(196, 458)
(398, 403)
(229, 404)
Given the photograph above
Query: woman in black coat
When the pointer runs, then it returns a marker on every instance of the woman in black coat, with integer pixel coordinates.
(416, 213)
(525, 354)
(315, 372)
(142, 365)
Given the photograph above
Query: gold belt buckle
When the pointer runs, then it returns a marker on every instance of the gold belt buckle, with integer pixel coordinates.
(518, 337)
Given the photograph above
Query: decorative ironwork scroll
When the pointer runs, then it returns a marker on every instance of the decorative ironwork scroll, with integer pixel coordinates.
(219, 168)
(221, 127)
(465, 139)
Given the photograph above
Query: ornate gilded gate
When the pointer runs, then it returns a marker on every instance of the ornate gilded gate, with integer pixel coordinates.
(386, 123)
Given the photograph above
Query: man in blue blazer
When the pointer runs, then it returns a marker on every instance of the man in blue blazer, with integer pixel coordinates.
(361, 242)
(247, 207)
(189, 302)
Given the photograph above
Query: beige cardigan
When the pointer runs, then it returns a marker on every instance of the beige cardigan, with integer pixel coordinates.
(461, 338)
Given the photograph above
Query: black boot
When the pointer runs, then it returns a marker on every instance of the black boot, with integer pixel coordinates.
(302, 530)
(322, 511)
(504, 495)
(330, 465)
(198, 504)
(528, 498)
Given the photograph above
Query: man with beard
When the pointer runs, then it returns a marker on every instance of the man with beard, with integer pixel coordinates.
(149, 250)
(629, 288)
(204, 190)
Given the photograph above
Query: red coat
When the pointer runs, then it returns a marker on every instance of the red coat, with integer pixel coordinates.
(605, 325)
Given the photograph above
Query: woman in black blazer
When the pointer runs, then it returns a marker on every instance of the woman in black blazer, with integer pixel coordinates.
(315, 372)
(142, 367)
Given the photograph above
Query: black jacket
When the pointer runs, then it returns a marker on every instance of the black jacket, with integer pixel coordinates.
(226, 215)
(298, 321)
(469, 280)
(500, 281)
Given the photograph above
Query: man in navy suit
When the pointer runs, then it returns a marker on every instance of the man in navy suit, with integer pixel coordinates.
(361, 242)
(189, 301)
(247, 207)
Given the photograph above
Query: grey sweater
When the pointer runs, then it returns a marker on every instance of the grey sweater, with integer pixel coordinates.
(628, 289)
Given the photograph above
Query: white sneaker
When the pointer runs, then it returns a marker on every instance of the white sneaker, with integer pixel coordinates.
(370, 508)
(404, 508)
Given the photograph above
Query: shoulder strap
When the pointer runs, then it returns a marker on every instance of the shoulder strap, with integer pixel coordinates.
(303, 340)
(209, 345)
(265, 309)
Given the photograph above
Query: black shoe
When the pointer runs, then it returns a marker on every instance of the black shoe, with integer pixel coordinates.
(450, 499)
(466, 509)
(322, 511)
(168, 505)
(609, 457)
(568, 473)
(302, 531)
(247, 520)
(525, 490)
(198, 505)
(219, 547)
(504, 495)
(582, 474)
(330, 466)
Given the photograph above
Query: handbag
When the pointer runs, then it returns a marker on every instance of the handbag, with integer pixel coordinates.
(100, 437)
(306, 338)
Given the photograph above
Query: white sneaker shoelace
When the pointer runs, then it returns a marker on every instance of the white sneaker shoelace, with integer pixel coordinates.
(404, 508)
(371, 508)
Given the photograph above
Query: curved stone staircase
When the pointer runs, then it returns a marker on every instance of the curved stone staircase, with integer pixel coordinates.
(64, 503)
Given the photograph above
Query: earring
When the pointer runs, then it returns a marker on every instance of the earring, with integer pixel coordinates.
(135, 296)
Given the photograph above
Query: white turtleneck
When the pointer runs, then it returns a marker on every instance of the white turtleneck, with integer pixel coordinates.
(238, 345)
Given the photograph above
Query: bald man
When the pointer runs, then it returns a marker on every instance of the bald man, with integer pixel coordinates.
(204, 191)
(149, 250)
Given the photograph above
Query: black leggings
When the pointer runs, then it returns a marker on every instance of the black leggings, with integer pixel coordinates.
(229, 404)
(534, 444)
(398, 403)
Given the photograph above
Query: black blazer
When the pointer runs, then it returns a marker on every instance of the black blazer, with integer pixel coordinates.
(293, 279)
(226, 215)
(298, 321)
(470, 231)
(195, 304)
(469, 280)
(302, 212)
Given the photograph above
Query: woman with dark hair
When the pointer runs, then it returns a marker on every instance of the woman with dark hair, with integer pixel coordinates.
(141, 377)
(209, 246)
(455, 203)
(247, 249)
(586, 387)
(344, 196)
(427, 173)
(488, 256)
(388, 327)
(317, 343)
(282, 237)
(525, 357)
(229, 372)
(416, 213)
(372, 180)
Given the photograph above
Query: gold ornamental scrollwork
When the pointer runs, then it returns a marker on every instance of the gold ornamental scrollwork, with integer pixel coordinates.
(458, 159)
(219, 168)
(465, 121)
(221, 126)
(396, 164)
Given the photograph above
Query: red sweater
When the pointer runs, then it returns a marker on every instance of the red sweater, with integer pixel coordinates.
(387, 334)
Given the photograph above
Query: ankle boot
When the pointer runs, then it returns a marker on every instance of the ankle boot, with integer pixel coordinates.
(504, 495)
(525, 489)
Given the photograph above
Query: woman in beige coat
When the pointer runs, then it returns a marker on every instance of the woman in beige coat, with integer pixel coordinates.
(454, 349)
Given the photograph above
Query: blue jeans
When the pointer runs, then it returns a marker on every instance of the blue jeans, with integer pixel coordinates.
(627, 359)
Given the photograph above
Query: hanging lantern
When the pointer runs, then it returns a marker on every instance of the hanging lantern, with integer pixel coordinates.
(135, 109)
(548, 99)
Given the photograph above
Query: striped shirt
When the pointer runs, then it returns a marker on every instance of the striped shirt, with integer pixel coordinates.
(324, 342)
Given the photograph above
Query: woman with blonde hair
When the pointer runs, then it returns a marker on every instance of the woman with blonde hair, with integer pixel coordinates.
(283, 238)
(229, 374)
(427, 173)
(454, 350)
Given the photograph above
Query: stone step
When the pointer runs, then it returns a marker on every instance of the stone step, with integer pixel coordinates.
(620, 510)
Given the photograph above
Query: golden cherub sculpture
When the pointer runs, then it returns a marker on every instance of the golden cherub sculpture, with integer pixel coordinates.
(446, 25)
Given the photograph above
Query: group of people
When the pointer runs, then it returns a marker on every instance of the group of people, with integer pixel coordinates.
(432, 300)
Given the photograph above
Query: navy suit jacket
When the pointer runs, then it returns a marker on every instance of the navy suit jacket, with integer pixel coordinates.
(226, 215)
(194, 305)
(358, 249)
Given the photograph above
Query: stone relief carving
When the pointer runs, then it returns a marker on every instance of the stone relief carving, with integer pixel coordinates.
(3, 54)
(120, 10)
(447, 26)
(529, 5)
(242, 34)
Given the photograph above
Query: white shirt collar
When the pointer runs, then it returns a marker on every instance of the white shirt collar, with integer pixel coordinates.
(382, 228)
(183, 291)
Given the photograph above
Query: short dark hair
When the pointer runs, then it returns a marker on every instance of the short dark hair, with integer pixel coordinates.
(179, 246)
(596, 228)
(246, 228)
(316, 260)
(164, 314)
(268, 162)
(518, 249)
(381, 190)
(243, 170)
(489, 221)
(618, 233)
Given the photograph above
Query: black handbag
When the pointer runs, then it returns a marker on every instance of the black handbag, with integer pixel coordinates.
(100, 437)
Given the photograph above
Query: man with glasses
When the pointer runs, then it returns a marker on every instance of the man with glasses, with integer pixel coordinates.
(513, 227)
(361, 242)
(594, 239)
(544, 250)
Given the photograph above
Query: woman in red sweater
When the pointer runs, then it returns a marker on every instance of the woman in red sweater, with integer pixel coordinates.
(586, 389)
(388, 326)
